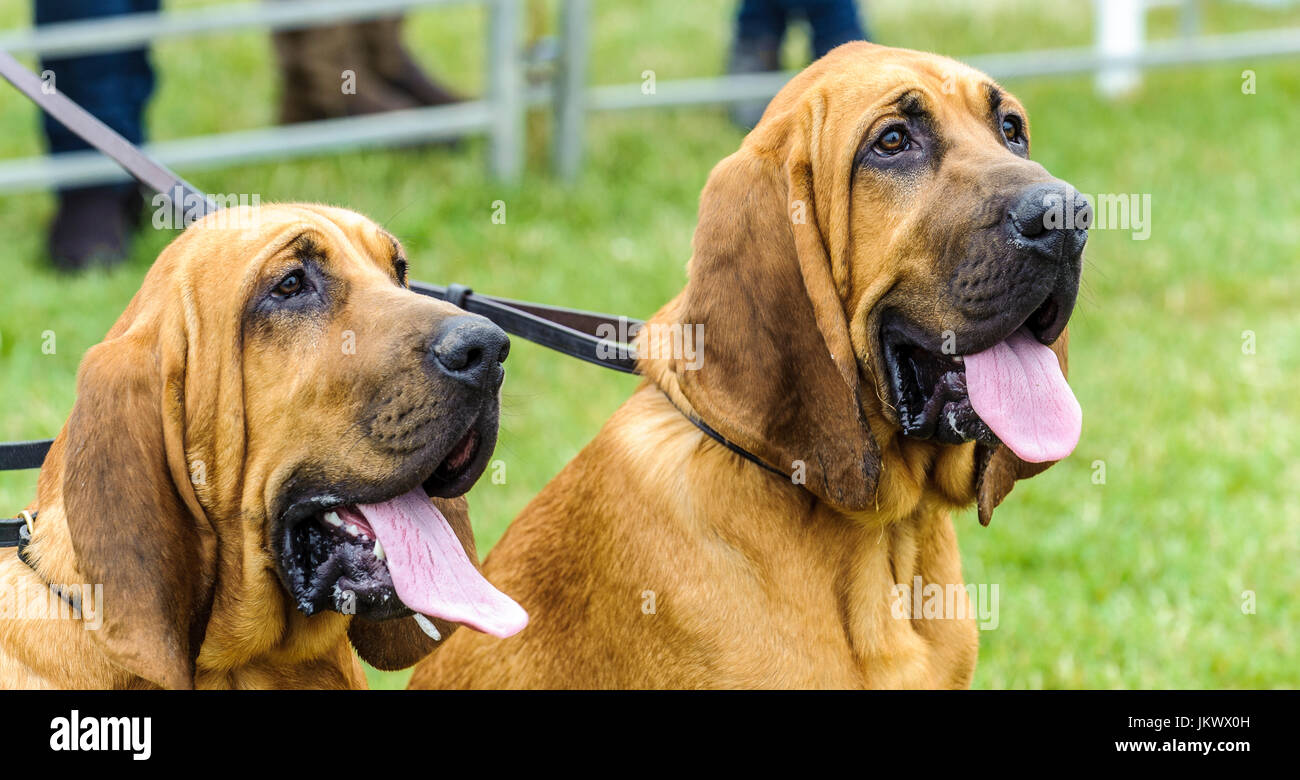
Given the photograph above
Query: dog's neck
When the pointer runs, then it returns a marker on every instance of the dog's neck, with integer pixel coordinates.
(821, 569)
(910, 474)
(43, 642)
(913, 474)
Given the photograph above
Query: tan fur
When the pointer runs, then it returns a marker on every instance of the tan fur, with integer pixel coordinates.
(182, 381)
(757, 582)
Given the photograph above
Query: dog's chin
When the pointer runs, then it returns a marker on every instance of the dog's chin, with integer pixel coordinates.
(329, 558)
(926, 384)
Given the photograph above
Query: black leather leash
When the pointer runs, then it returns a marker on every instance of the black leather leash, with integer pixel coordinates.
(141, 166)
(581, 334)
(17, 455)
(573, 332)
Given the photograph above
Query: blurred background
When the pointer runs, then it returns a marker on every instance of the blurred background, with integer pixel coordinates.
(1162, 554)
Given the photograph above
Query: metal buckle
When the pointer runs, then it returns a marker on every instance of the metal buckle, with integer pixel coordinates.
(457, 293)
(27, 517)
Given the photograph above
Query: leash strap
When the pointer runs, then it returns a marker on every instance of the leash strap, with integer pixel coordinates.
(17, 455)
(602, 339)
(570, 331)
(581, 334)
(144, 168)
(590, 336)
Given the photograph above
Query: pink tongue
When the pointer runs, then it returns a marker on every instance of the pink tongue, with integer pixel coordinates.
(432, 573)
(1017, 389)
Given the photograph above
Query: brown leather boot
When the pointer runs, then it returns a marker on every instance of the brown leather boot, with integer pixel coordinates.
(388, 57)
(93, 226)
(326, 75)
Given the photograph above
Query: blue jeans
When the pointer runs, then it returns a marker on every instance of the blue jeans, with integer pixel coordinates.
(833, 21)
(114, 86)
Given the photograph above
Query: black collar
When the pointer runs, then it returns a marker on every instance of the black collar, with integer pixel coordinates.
(724, 441)
(17, 532)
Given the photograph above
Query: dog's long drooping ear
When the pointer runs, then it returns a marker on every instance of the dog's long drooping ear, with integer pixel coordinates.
(777, 374)
(398, 643)
(996, 472)
(135, 523)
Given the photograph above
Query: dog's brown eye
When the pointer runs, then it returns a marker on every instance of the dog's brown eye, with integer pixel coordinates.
(289, 285)
(893, 141)
(1011, 129)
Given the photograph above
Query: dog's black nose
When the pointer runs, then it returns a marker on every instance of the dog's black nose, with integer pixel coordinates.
(471, 349)
(1050, 218)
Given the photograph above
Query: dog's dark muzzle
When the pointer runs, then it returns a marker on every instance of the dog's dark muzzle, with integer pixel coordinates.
(1024, 270)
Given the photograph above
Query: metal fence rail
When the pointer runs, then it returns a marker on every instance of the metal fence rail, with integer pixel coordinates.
(500, 114)
(394, 128)
(127, 31)
(1041, 63)
(1101, 60)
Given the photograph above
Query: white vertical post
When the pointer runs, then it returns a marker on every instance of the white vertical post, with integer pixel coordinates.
(570, 88)
(1189, 18)
(505, 91)
(1121, 28)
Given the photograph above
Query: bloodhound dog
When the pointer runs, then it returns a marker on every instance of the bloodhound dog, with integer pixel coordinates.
(263, 469)
(875, 283)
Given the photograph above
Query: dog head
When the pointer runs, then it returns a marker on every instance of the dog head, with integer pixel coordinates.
(883, 278)
(277, 427)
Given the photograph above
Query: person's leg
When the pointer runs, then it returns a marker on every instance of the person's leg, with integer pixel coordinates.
(114, 86)
(326, 73)
(760, 20)
(756, 48)
(388, 56)
(313, 62)
(833, 22)
(96, 222)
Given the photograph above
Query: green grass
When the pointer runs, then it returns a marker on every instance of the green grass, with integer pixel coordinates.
(1136, 583)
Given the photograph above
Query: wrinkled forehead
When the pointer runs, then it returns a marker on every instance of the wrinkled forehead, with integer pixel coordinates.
(857, 84)
(240, 243)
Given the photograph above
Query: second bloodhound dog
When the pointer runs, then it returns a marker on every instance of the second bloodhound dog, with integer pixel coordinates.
(876, 279)
(262, 470)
